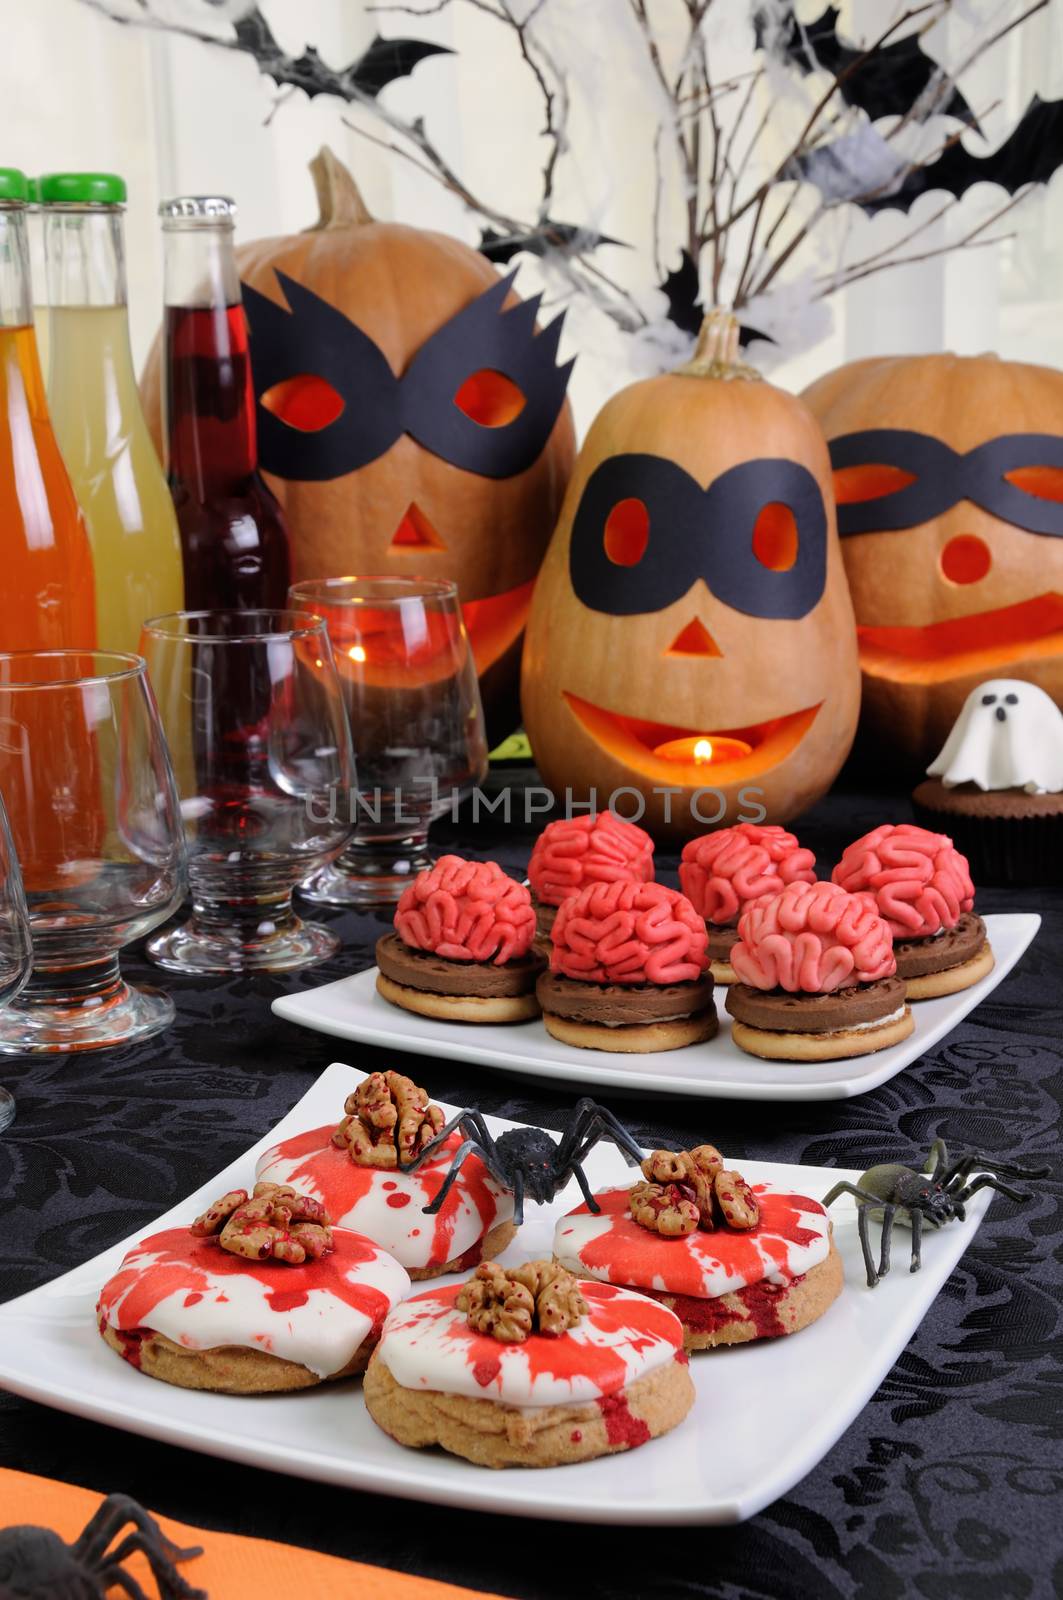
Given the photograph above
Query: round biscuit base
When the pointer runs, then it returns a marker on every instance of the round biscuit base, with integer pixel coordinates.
(228, 1368)
(491, 1434)
(804, 1302)
(775, 1046)
(459, 1007)
(723, 972)
(932, 985)
(634, 1038)
(494, 1242)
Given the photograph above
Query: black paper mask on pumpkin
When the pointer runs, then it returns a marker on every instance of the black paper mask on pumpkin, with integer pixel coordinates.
(645, 531)
(923, 477)
(371, 408)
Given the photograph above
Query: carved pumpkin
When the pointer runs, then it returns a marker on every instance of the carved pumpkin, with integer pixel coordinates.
(949, 481)
(693, 594)
(417, 416)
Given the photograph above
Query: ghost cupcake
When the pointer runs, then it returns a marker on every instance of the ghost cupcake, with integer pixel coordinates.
(817, 979)
(922, 886)
(721, 872)
(997, 786)
(575, 851)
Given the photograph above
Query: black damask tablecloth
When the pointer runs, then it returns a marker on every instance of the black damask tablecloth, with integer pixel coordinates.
(950, 1483)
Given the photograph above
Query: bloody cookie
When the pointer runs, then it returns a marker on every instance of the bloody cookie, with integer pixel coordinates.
(817, 977)
(734, 1262)
(922, 887)
(528, 1367)
(628, 970)
(353, 1171)
(723, 872)
(575, 851)
(260, 1295)
(462, 950)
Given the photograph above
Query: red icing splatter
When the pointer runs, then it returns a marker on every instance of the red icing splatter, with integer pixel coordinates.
(576, 1436)
(470, 1257)
(185, 1262)
(339, 1183)
(621, 1426)
(760, 1302)
(398, 1200)
(634, 1256)
(130, 1340)
(486, 1372)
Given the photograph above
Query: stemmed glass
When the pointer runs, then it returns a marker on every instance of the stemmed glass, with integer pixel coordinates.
(15, 947)
(90, 797)
(251, 706)
(409, 683)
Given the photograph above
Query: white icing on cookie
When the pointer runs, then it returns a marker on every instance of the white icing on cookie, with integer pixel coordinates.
(427, 1344)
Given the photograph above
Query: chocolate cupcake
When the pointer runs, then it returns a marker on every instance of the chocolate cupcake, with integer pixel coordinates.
(817, 979)
(628, 971)
(575, 851)
(922, 886)
(722, 872)
(997, 786)
(463, 946)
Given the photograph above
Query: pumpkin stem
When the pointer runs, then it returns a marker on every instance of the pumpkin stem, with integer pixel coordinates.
(339, 199)
(716, 352)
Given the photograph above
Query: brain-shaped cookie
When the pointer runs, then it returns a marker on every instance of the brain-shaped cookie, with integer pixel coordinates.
(721, 872)
(579, 850)
(920, 881)
(629, 933)
(812, 938)
(466, 911)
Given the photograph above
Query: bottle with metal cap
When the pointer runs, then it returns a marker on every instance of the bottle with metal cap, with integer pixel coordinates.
(101, 428)
(233, 532)
(47, 592)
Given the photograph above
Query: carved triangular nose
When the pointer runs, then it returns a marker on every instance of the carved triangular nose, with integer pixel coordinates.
(694, 640)
(415, 532)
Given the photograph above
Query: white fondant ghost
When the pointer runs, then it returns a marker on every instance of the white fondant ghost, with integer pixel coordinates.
(1009, 735)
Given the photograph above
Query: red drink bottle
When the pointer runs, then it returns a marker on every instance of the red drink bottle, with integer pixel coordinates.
(234, 537)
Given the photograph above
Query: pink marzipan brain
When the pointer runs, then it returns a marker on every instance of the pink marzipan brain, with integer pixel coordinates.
(812, 938)
(466, 911)
(721, 872)
(579, 850)
(629, 933)
(920, 881)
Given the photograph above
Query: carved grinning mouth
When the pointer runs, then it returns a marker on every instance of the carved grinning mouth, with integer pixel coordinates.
(977, 643)
(632, 740)
(496, 623)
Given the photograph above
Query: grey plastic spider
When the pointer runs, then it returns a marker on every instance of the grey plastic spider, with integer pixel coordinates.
(35, 1564)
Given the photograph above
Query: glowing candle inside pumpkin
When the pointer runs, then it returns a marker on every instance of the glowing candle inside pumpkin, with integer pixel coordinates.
(701, 751)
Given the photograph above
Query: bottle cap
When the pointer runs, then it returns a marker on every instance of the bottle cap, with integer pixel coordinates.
(13, 185)
(198, 210)
(32, 193)
(81, 189)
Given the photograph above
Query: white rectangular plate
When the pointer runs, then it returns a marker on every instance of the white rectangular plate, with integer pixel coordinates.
(779, 1405)
(351, 1009)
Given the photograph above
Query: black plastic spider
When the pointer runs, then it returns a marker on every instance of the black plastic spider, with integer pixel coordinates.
(35, 1564)
(528, 1160)
(936, 1196)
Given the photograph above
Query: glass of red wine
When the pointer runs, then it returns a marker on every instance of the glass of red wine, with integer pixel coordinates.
(251, 704)
(409, 684)
(16, 951)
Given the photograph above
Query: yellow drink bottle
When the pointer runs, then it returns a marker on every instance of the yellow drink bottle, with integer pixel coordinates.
(96, 410)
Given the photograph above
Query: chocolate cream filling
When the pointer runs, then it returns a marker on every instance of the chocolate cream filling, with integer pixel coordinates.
(721, 942)
(939, 952)
(421, 969)
(617, 1005)
(778, 1011)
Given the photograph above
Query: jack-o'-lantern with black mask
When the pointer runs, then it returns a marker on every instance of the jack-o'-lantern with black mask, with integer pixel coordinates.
(948, 473)
(691, 630)
(412, 417)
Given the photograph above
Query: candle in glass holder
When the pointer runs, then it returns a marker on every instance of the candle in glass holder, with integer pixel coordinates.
(700, 751)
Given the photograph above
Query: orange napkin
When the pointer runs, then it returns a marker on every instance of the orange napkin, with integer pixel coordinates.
(231, 1567)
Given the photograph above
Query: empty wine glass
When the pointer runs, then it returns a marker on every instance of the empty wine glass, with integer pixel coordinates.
(409, 683)
(91, 801)
(15, 947)
(251, 706)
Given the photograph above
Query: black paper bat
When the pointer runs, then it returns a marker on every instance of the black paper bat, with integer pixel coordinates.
(890, 82)
(564, 236)
(383, 62)
(685, 309)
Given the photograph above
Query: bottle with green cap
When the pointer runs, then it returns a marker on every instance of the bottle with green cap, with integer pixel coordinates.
(38, 274)
(101, 427)
(47, 599)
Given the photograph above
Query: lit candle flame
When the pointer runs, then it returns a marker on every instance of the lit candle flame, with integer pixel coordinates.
(357, 652)
(703, 750)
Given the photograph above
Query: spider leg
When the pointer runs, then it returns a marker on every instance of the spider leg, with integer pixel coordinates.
(863, 1225)
(964, 1165)
(889, 1214)
(986, 1180)
(577, 1126)
(470, 1147)
(938, 1159)
(845, 1187)
(604, 1123)
(518, 1197)
(116, 1577)
(467, 1121)
(110, 1516)
(917, 1240)
(585, 1188)
(170, 1582)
